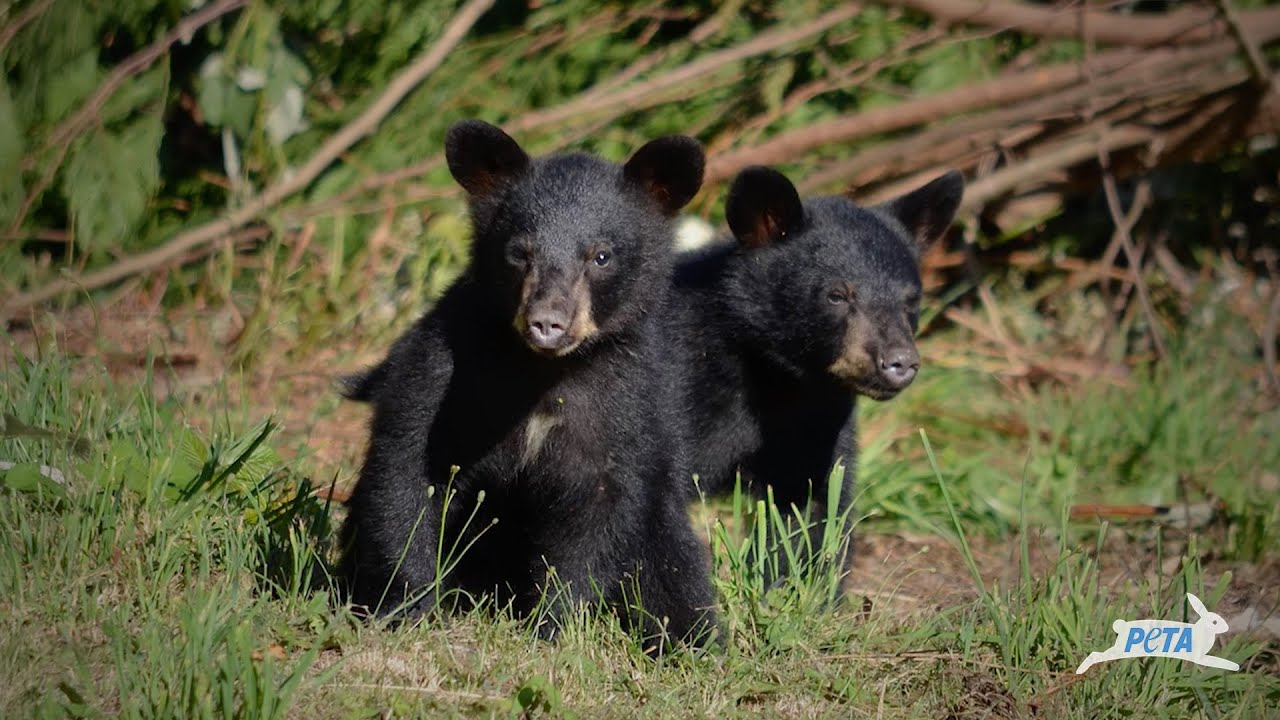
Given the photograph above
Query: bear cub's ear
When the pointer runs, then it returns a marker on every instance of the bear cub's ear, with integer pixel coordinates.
(763, 207)
(927, 211)
(669, 169)
(483, 158)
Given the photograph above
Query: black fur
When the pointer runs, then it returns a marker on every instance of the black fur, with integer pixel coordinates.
(815, 302)
(538, 376)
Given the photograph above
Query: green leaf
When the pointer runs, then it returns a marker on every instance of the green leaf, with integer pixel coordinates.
(27, 478)
(109, 180)
(286, 77)
(70, 86)
(215, 84)
(193, 449)
(134, 473)
(260, 461)
(188, 460)
(137, 94)
(221, 100)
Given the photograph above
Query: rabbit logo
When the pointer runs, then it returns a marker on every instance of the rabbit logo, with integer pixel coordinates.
(1164, 638)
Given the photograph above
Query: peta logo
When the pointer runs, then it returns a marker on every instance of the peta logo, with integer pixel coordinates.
(1163, 638)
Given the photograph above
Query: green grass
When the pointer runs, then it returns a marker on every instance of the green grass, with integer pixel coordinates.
(183, 570)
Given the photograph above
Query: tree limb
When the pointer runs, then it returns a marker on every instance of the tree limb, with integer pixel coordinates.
(1065, 155)
(638, 95)
(1180, 27)
(930, 145)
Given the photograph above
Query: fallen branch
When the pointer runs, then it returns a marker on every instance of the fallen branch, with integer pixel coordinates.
(1172, 73)
(1179, 27)
(1069, 153)
(846, 77)
(1012, 88)
(1141, 196)
(998, 92)
(643, 94)
(1124, 223)
(335, 146)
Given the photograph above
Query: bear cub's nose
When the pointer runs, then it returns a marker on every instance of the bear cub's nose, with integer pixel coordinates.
(898, 366)
(547, 328)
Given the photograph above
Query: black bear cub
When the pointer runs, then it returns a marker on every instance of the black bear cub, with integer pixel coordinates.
(532, 397)
(816, 302)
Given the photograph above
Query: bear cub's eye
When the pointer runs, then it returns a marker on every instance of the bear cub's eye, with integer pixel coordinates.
(602, 258)
(837, 297)
(518, 254)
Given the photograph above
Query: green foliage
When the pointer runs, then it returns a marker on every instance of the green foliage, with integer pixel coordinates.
(109, 179)
(537, 695)
(767, 604)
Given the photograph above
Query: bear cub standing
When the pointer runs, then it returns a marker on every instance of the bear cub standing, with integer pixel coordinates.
(816, 302)
(532, 396)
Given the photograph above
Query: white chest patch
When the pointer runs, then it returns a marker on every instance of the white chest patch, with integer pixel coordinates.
(536, 431)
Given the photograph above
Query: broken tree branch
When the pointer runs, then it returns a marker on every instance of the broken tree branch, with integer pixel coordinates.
(1001, 91)
(646, 93)
(1124, 224)
(939, 144)
(1179, 27)
(1007, 179)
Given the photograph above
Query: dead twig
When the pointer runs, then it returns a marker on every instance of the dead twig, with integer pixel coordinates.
(1034, 84)
(1141, 196)
(1126, 92)
(704, 31)
(840, 78)
(335, 146)
(1124, 224)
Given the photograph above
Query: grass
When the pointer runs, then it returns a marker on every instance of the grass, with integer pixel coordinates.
(182, 571)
